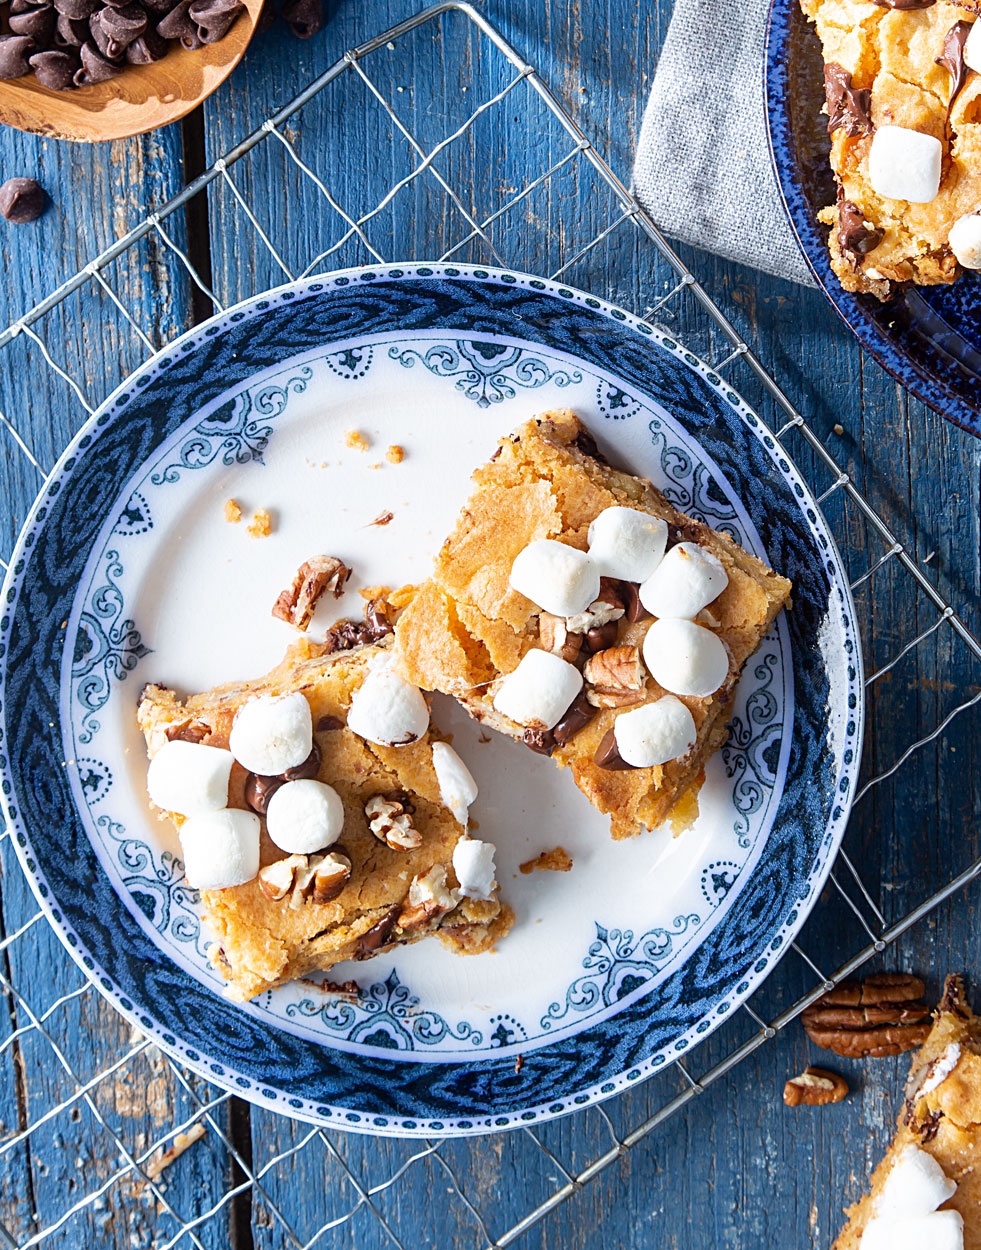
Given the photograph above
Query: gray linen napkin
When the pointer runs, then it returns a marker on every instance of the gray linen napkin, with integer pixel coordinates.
(702, 168)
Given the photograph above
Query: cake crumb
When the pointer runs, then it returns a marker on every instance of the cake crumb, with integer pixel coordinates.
(395, 454)
(383, 518)
(261, 524)
(555, 860)
(355, 439)
(233, 513)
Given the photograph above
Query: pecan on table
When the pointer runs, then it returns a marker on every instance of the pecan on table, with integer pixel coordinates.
(882, 1015)
(815, 1087)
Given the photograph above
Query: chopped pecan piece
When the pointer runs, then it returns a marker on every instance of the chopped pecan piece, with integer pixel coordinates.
(313, 579)
(555, 637)
(188, 731)
(875, 1017)
(306, 878)
(815, 1087)
(390, 820)
(614, 677)
(429, 898)
(609, 606)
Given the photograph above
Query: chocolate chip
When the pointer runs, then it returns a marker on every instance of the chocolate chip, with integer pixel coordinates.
(21, 200)
(304, 17)
(541, 741)
(121, 27)
(267, 15)
(585, 443)
(952, 60)
(634, 610)
(600, 637)
(328, 723)
(38, 23)
(76, 9)
(307, 770)
(577, 716)
(55, 70)
(214, 18)
(377, 935)
(177, 24)
(849, 109)
(146, 48)
(95, 67)
(904, 5)
(70, 32)
(855, 238)
(259, 790)
(608, 755)
(14, 51)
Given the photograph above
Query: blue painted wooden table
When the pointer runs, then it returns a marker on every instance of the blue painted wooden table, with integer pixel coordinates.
(737, 1168)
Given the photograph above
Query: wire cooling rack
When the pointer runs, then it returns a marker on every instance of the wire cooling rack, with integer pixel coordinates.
(79, 1162)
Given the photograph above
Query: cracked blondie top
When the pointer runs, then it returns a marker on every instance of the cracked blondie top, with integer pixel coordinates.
(893, 67)
(273, 928)
(466, 629)
(941, 1117)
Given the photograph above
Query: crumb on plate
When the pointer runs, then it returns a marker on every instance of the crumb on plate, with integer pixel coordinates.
(233, 513)
(395, 454)
(261, 524)
(355, 439)
(556, 860)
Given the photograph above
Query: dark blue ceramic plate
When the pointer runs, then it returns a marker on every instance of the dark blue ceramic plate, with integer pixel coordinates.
(929, 338)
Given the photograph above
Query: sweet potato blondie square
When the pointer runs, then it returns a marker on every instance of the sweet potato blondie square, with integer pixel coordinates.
(927, 1190)
(904, 104)
(539, 618)
(312, 842)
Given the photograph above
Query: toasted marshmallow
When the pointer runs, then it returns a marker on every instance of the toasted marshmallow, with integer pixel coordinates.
(941, 1069)
(655, 733)
(972, 48)
(304, 816)
(686, 580)
(940, 1230)
(556, 577)
(457, 787)
(539, 690)
(627, 544)
(473, 863)
(188, 778)
(386, 710)
(272, 733)
(915, 1185)
(965, 233)
(905, 164)
(221, 849)
(685, 658)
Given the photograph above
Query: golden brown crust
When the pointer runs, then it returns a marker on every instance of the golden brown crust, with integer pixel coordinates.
(465, 626)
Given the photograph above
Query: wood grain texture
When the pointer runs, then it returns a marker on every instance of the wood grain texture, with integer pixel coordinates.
(738, 1168)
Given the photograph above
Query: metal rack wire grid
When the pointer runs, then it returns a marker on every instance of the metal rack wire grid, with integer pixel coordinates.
(448, 187)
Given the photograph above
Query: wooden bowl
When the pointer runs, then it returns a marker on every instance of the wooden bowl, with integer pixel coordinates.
(142, 98)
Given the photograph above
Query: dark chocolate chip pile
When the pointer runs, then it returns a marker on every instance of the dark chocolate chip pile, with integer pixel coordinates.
(74, 43)
(21, 200)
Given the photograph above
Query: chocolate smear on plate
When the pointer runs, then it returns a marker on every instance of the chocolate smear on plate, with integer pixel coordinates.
(849, 108)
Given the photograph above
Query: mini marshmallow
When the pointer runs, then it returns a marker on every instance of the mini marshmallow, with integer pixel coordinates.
(304, 816)
(189, 778)
(972, 48)
(965, 233)
(685, 658)
(457, 787)
(386, 710)
(941, 1069)
(655, 733)
(556, 577)
(940, 1230)
(915, 1185)
(686, 580)
(905, 164)
(539, 690)
(272, 733)
(627, 544)
(221, 849)
(473, 863)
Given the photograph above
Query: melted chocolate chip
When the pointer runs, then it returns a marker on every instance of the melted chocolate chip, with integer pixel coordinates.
(541, 741)
(328, 723)
(377, 621)
(905, 5)
(346, 635)
(952, 60)
(585, 443)
(307, 770)
(608, 756)
(600, 637)
(578, 715)
(855, 238)
(849, 108)
(188, 731)
(377, 935)
(259, 790)
(634, 609)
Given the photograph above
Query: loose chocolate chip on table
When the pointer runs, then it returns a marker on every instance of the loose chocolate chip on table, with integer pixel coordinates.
(21, 200)
(14, 53)
(38, 23)
(54, 70)
(304, 17)
(95, 67)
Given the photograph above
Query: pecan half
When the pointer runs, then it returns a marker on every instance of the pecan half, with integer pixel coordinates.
(871, 1018)
(390, 820)
(614, 677)
(306, 878)
(815, 1087)
(313, 579)
(555, 637)
(188, 731)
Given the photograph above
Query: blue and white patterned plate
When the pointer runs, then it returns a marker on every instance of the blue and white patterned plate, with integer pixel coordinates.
(127, 572)
(929, 338)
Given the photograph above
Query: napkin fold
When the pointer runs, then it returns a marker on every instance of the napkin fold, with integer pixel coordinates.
(703, 168)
